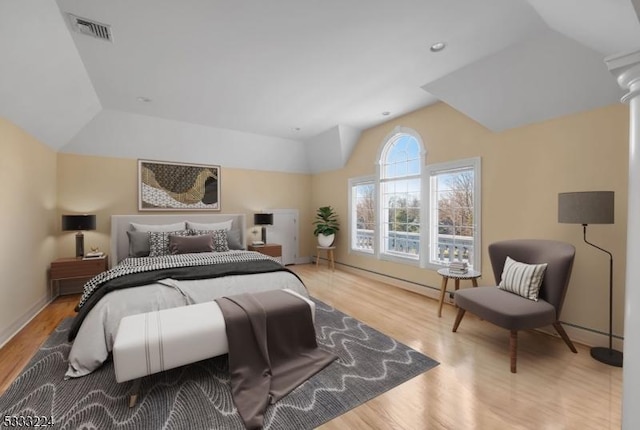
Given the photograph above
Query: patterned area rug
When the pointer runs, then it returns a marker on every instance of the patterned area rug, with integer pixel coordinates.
(197, 396)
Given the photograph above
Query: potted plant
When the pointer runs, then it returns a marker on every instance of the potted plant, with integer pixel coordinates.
(327, 225)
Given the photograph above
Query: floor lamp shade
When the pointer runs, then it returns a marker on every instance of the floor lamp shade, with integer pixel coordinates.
(79, 223)
(588, 207)
(263, 219)
(593, 207)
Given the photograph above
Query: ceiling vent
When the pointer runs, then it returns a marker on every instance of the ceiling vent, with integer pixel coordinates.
(90, 28)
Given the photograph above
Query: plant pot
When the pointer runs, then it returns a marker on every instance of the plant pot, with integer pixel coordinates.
(326, 240)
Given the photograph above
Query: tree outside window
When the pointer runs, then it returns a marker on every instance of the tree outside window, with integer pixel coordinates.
(363, 211)
(454, 191)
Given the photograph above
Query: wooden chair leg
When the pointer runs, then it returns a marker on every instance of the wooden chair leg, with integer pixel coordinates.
(513, 349)
(458, 319)
(564, 336)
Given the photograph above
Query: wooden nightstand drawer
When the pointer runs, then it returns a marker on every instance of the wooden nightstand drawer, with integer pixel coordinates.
(70, 268)
(271, 249)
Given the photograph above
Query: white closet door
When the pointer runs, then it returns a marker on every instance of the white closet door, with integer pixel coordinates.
(285, 232)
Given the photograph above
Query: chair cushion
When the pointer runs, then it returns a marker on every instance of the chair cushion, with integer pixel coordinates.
(505, 309)
(522, 279)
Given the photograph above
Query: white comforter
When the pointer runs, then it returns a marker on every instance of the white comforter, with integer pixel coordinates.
(94, 340)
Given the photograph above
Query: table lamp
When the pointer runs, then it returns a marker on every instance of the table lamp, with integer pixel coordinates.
(79, 223)
(264, 220)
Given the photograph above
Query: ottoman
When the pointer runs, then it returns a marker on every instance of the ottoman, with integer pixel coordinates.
(161, 340)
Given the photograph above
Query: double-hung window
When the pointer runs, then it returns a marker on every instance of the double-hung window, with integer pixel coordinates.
(454, 212)
(362, 209)
(400, 168)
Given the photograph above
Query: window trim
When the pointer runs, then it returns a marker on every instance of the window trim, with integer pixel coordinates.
(362, 180)
(432, 169)
(382, 151)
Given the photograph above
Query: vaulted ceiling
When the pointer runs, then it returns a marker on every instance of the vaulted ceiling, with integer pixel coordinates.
(290, 76)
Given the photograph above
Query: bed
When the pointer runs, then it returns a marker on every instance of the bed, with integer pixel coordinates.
(141, 283)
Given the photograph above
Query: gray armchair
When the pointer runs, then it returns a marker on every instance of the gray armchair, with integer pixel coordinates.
(511, 311)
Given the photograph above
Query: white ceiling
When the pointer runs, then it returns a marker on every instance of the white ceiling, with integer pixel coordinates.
(260, 70)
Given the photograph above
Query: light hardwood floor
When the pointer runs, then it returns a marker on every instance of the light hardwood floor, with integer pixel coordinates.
(472, 387)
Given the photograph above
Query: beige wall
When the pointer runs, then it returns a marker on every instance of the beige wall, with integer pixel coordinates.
(523, 170)
(28, 193)
(108, 186)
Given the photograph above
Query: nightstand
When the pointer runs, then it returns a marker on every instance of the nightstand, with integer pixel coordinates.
(271, 249)
(64, 269)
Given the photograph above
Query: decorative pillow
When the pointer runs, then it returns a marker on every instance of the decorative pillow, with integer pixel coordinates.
(220, 242)
(159, 241)
(233, 239)
(138, 243)
(522, 279)
(160, 227)
(190, 244)
(226, 225)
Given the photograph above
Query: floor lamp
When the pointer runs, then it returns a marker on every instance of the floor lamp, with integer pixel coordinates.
(593, 207)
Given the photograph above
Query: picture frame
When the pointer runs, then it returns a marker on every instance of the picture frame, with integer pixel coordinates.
(171, 186)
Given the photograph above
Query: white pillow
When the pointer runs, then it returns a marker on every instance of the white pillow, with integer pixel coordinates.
(522, 279)
(226, 225)
(159, 227)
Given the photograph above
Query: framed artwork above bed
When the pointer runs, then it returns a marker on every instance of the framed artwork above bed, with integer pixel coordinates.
(178, 186)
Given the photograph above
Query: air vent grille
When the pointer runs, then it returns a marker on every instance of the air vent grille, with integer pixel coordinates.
(90, 28)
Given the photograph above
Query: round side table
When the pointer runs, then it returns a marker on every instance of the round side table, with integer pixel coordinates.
(447, 274)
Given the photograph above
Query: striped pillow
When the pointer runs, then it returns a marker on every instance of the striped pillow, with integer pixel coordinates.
(522, 279)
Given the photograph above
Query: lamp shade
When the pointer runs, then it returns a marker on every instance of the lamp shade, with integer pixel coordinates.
(589, 207)
(263, 219)
(78, 222)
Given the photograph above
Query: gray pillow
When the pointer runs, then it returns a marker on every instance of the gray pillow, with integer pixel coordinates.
(233, 239)
(190, 244)
(157, 227)
(225, 225)
(138, 243)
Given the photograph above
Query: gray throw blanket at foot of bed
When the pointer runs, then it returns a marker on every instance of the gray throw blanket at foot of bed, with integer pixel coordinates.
(272, 349)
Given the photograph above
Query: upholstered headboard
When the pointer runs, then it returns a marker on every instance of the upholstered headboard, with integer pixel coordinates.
(120, 225)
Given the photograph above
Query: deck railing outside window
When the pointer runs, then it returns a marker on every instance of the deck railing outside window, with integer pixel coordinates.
(450, 248)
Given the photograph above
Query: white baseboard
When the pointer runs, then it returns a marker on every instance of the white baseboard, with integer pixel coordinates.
(8, 333)
(586, 336)
(425, 290)
(578, 334)
(304, 260)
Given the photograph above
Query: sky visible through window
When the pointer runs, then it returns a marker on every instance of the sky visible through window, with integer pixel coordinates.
(403, 158)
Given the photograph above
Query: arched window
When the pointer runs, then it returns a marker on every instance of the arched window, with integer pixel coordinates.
(400, 168)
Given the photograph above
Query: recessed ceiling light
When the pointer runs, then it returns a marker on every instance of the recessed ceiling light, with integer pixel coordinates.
(386, 113)
(438, 46)
(144, 99)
